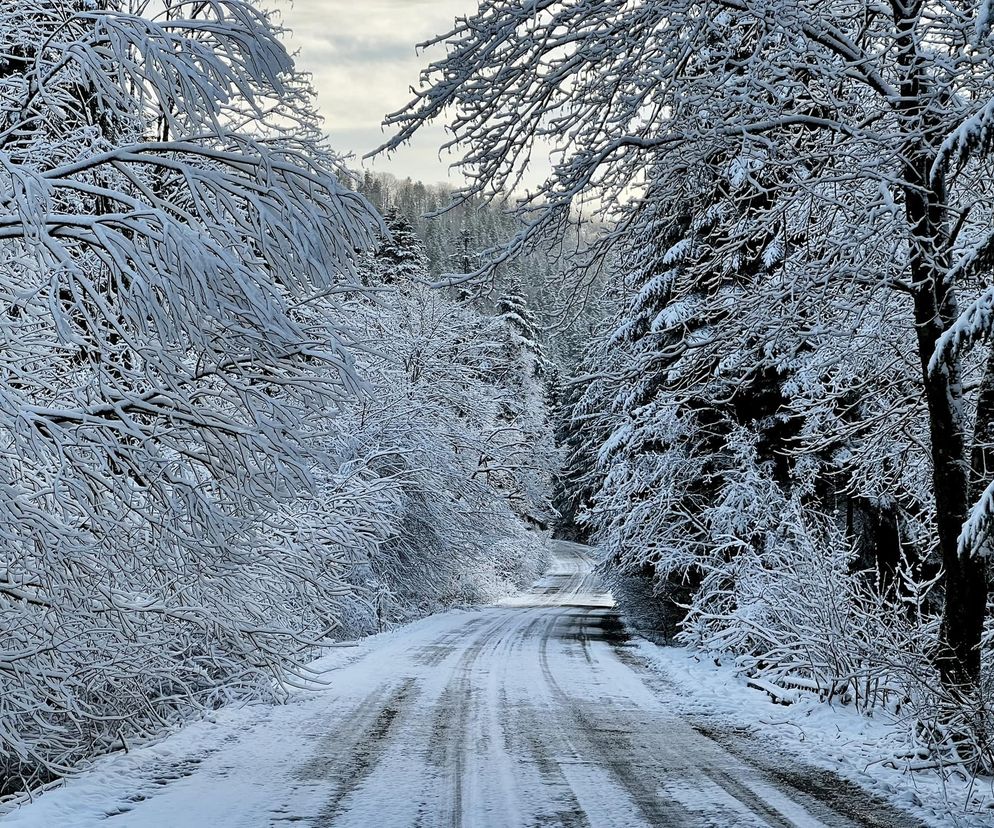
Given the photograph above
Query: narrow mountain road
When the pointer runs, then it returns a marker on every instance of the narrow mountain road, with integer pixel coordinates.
(534, 713)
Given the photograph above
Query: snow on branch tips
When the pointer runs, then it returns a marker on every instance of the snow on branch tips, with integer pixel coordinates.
(173, 237)
(975, 537)
(973, 324)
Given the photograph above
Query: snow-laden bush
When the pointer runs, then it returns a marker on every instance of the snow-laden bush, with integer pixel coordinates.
(792, 610)
(443, 422)
(791, 607)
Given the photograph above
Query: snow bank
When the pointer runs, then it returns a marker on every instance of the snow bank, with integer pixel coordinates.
(860, 748)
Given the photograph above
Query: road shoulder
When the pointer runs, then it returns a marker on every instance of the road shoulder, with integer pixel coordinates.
(828, 736)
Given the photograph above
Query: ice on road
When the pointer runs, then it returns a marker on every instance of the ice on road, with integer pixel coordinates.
(533, 713)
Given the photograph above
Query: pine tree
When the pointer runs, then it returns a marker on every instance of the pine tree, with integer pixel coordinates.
(512, 310)
(401, 254)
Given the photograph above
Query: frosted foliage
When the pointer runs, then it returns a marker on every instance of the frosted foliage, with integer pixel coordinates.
(167, 216)
(793, 610)
(444, 432)
(234, 425)
(796, 200)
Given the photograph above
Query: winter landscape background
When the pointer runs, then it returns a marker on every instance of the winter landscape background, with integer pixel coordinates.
(613, 444)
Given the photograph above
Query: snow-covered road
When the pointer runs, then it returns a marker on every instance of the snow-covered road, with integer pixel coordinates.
(534, 713)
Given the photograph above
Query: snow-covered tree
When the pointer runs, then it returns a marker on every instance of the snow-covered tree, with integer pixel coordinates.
(443, 430)
(401, 253)
(513, 312)
(586, 418)
(457, 235)
(169, 221)
(869, 123)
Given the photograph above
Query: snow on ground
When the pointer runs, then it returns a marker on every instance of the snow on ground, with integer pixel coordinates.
(567, 581)
(834, 737)
(536, 712)
(112, 786)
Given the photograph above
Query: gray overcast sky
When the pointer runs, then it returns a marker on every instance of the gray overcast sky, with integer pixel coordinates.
(362, 56)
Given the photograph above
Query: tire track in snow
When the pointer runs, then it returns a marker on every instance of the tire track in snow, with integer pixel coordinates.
(815, 788)
(769, 793)
(563, 808)
(524, 722)
(653, 810)
(347, 757)
(534, 714)
(449, 746)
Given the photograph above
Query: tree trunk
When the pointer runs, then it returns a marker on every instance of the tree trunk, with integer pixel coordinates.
(965, 579)
(965, 583)
(971, 608)
(927, 213)
(955, 487)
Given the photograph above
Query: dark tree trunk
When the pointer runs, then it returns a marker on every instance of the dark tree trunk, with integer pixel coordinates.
(965, 582)
(973, 564)
(927, 212)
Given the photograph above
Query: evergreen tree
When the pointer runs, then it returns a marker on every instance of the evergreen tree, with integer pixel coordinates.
(512, 311)
(401, 253)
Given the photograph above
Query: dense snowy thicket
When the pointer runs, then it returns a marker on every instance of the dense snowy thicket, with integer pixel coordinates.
(787, 429)
(462, 235)
(226, 431)
(453, 428)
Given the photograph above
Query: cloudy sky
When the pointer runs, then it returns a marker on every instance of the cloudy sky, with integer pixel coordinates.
(362, 56)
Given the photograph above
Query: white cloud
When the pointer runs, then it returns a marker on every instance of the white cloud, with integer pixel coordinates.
(362, 56)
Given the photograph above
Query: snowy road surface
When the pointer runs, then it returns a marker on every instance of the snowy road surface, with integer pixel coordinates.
(534, 713)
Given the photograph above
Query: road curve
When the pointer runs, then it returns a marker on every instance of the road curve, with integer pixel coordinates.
(535, 713)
